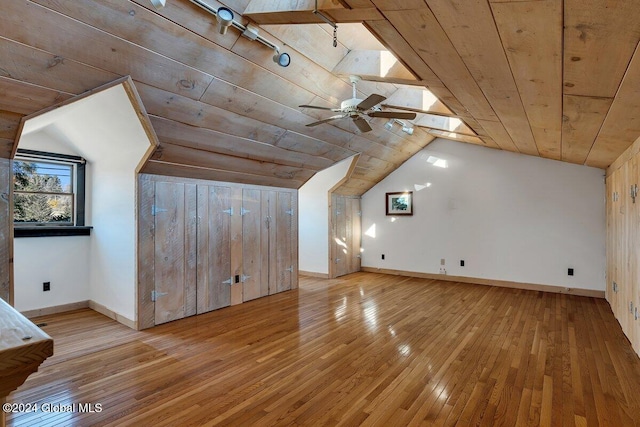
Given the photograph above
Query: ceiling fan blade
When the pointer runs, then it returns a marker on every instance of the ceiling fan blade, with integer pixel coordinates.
(319, 108)
(392, 115)
(371, 100)
(362, 124)
(339, 116)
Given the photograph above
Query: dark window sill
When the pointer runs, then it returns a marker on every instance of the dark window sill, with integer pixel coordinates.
(50, 231)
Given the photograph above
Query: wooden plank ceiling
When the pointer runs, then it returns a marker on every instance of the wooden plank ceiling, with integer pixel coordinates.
(550, 78)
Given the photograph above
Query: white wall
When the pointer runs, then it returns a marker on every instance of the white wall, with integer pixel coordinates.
(63, 261)
(508, 216)
(313, 218)
(105, 130)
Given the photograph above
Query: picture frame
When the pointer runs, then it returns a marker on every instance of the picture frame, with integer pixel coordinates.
(399, 203)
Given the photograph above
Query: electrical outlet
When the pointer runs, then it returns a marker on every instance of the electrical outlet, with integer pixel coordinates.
(382, 256)
(570, 271)
(46, 286)
(461, 263)
(441, 261)
(443, 270)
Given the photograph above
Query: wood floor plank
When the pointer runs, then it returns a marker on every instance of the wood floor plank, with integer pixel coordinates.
(364, 349)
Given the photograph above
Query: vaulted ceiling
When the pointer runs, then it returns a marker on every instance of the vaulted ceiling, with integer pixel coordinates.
(550, 78)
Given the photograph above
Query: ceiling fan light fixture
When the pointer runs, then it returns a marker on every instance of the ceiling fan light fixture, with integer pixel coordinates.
(224, 16)
(158, 3)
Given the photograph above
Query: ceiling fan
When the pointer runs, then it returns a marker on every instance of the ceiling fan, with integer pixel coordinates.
(356, 109)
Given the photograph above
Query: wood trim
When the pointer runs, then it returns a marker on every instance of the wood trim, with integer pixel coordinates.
(143, 117)
(145, 258)
(489, 282)
(624, 157)
(113, 315)
(6, 231)
(197, 181)
(347, 175)
(313, 274)
(55, 309)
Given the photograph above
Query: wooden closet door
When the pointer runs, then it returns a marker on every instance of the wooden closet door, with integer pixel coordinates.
(214, 248)
(284, 265)
(355, 240)
(609, 241)
(255, 260)
(339, 236)
(634, 264)
(175, 251)
(345, 235)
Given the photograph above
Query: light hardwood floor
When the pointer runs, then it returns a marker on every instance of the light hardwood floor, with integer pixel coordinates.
(367, 349)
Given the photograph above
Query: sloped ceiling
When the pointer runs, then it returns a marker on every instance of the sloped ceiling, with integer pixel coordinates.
(548, 78)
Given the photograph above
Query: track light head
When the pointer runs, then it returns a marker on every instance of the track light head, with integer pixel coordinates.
(389, 124)
(282, 59)
(224, 16)
(158, 3)
(408, 130)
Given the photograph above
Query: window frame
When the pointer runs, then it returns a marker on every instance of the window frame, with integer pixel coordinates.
(77, 225)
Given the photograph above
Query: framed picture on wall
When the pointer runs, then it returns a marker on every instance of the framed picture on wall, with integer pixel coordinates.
(400, 203)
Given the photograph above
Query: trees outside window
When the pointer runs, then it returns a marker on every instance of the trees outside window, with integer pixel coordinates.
(43, 193)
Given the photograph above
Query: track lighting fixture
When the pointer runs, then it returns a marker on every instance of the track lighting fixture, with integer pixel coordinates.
(224, 16)
(406, 129)
(389, 124)
(158, 3)
(282, 59)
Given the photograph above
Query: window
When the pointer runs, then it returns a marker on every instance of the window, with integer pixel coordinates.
(48, 189)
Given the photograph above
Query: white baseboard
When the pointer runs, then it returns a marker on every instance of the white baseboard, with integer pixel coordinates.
(489, 282)
(113, 315)
(313, 274)
(80, 305)
(55, 309)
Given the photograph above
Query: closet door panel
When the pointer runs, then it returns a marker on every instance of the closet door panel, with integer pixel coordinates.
(252, 268)
(214, 248)
(283, 230)
(170, 252)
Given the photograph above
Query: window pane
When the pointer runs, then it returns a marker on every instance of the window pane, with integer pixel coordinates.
(39, 208)
(43, 177)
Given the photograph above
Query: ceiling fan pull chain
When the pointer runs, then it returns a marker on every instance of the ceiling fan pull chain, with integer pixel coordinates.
(335, 36)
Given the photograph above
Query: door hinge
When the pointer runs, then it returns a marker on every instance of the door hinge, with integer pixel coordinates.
(155, 295)
(359, 213)
(290, 269)
(155, 210)
(289, 212)
(229, 281)
(267, 221)
(244, 278)
(358, 256)
(337, 260)
(244, 211)
(229, 211)
(338, 213)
